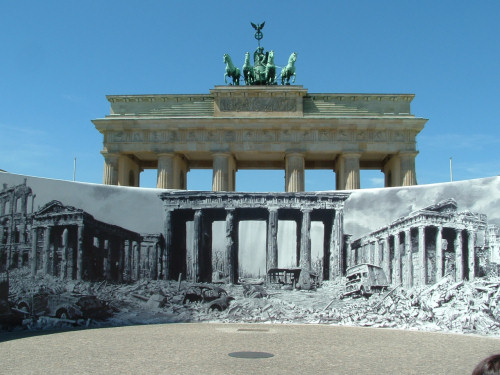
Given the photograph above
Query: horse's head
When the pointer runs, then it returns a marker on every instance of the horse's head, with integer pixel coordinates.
(270, 59)
(293, 57)
(247, 57)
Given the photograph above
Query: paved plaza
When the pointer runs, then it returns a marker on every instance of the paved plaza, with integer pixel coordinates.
(208, 348)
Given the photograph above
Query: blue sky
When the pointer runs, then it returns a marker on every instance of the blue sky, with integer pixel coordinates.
(60, 58)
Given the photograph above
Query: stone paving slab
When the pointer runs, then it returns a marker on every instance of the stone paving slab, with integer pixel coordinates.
(205, 348)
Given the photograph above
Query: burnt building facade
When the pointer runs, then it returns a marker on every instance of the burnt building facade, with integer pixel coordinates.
(204, 208)
(69, 243)
(426, 245)
(16, 207)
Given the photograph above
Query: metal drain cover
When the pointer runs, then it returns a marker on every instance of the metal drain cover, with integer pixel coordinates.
(251, 355)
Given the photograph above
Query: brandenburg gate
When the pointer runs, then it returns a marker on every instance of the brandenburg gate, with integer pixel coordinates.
(259, 127)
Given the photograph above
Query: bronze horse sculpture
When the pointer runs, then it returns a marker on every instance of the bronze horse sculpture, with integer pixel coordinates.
(288, 71)
(231, 70)
(248, 73)
(270, 70)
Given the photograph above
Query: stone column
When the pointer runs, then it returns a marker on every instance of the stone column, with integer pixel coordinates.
(152, 262)
(272, 239)
(10, 235)
(46, 249)
(378, 253)
(223, 168)
(79, 254)
(408, 175)
(387, 258)
(422, 255)
(439, 253)
(337, 255)
(392, 171)
(197, 244)
(472, 254)
(347, 170)
(107, 259)
(136, 254)
(110, 169)
(167, 232)
(126, 260)
(231, 246)
(172, 170)
(409, 259)
(294, 172)
(64, 257)
(397, 259)
(165, 175)
(459, 264)
(34, 254)
(305, 240)
(121, 259)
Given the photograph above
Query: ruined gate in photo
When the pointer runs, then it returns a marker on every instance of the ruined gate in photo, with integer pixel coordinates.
(203, 208)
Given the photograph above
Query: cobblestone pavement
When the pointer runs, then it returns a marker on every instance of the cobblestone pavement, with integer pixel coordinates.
(205, 348)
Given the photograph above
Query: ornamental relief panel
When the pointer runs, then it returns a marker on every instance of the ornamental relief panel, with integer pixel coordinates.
(258, 104)
(229, 136)
(156, 136)
(363, 135)
(398, 136)
(137, 137)
(306, 135)
(325, 136)
(380, 135)
(253, 135)
(343, 135)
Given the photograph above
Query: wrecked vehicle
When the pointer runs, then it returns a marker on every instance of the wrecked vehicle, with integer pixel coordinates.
(292, 278)
(221, 303)
(203, 293)
(65, 306)
(254, 291)
(364, 279)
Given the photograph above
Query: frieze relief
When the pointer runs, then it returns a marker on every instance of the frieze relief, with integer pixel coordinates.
(254, 135)
(258, 104)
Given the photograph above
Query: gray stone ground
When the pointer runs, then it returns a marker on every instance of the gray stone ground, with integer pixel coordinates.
(203, 348)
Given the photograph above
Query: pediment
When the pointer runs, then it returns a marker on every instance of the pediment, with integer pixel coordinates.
(56, 207)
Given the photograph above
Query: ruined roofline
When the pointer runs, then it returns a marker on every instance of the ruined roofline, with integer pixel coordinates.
(427, 213)
(226, 194)
(44, 214)
(234, 200)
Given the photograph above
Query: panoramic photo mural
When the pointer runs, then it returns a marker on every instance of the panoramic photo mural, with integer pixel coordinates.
(420, 257)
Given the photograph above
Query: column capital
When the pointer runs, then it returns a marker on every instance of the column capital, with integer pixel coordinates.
(166, 154)
(407, 154)
(350, 154)
(110, 157)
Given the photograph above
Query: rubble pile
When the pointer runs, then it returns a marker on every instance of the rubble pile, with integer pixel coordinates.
(465, 307)
(449, 306)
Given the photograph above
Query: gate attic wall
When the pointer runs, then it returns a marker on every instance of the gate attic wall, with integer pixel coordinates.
(259, 127)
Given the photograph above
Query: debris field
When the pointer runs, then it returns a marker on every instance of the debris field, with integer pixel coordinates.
(471, 307)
